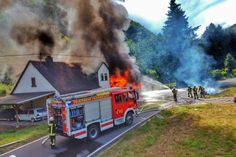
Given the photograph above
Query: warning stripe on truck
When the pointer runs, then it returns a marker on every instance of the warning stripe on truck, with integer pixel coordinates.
(106, 124)
(80, 133)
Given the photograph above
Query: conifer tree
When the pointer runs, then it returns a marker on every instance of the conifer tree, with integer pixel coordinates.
(230, 62)
(179, 37)
(176, 30)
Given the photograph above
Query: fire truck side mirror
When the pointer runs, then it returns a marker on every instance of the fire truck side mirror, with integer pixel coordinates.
(136, 95)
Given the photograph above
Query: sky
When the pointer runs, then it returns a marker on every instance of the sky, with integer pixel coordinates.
(152, 13)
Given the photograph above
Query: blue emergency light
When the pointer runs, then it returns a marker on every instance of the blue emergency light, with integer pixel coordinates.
(68, 103)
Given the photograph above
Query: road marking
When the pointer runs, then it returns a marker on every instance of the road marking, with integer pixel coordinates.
(23, 146)
(120, 135)
(45, 140)
(8, 144)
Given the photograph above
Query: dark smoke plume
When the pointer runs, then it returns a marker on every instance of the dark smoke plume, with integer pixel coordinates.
(89, 31)
(34, 37)
(100, 25)
(5, 3)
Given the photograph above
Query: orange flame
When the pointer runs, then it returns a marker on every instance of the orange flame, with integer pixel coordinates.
(122, 80)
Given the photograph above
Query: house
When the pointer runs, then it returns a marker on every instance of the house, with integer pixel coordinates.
(42, 79)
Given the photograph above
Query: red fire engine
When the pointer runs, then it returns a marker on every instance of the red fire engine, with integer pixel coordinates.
(87, 114)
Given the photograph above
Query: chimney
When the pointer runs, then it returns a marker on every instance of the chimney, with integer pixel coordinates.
(49, 60)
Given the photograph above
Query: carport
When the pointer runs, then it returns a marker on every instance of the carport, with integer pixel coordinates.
(17, 100)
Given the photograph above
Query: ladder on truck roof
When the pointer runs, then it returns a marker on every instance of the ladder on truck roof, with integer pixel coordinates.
(78, 95)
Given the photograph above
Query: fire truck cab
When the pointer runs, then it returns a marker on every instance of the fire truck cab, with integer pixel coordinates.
(87, 114)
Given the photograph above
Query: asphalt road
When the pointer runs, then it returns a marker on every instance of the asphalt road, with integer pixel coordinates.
(227, 82)
(74, 148)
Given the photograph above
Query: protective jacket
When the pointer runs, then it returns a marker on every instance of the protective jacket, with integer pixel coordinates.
(52, 129)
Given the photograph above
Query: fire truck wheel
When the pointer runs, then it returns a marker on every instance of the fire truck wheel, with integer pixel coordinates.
(93, 132)
(129, 119)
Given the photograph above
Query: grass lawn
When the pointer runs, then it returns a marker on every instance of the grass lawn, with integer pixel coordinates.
(228, 92)
(30, 133)
(187, 131)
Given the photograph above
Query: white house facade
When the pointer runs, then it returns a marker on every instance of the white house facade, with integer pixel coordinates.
(33, 81)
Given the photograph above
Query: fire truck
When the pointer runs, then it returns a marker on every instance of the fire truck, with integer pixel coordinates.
(87, 114)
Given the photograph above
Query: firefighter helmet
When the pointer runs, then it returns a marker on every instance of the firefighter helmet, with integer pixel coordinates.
(51, 119)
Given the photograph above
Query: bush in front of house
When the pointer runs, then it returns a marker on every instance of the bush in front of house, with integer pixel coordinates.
(5, 89)
(2, 92)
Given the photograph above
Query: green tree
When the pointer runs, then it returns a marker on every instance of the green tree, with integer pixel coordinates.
(179, 40)
(145, 47)
(230, 63)
(176, 29)
(216, 43)
(7, 76)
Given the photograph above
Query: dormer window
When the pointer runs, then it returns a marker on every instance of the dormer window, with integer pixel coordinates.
(33, 82)
(104, 77)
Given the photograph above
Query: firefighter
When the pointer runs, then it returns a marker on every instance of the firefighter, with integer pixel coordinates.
(52, 132)
(175, 91)
(202, 92)
(190, 94)
(195, 94)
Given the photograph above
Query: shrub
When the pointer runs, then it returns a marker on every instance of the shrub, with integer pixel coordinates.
(216, 74)
(2, 92)
(234, 72)
(219, 74)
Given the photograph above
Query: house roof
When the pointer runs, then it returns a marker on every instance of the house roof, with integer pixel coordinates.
(23, 98)
(63, 77)
(66, 78)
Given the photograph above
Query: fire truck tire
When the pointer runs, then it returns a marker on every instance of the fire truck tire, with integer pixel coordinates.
(93, 132)
(129, 119)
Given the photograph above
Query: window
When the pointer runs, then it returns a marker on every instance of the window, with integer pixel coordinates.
(41, 110)
(118, 99)
(130, 95)
(102, 77)
(125, 97)
(105, 77)
(31, 111)
(33, 82)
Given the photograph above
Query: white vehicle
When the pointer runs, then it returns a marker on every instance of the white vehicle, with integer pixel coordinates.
(35, 114)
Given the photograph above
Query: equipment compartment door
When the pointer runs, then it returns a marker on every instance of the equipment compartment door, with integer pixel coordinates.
(105, 109)
(91, 110)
